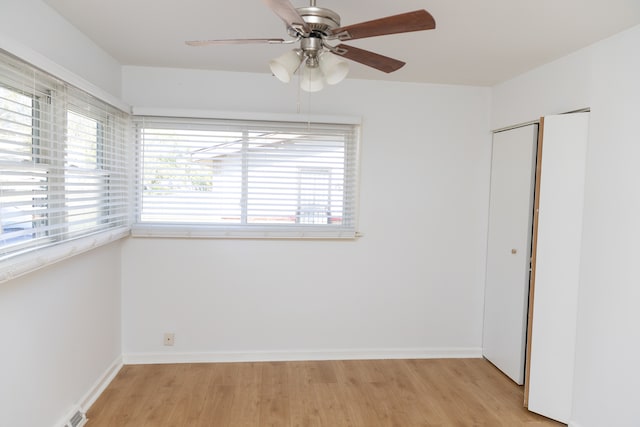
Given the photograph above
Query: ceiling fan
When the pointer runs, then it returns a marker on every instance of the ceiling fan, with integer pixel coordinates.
(314, 27)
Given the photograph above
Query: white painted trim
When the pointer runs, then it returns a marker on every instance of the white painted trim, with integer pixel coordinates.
(101, 384)
(94, 392)
(65, 420)
(574, 424)
(237, 232)
(33, 260)
(239, 115)
(45, 64)
(287, 356)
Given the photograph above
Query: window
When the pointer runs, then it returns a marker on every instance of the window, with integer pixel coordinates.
(246, 178)
(62, 161)
(23, 182)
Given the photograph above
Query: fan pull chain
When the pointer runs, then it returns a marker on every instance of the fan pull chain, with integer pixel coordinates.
(309, 112)
(299, 97)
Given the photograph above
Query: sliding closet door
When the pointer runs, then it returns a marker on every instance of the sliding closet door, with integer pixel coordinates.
(557, 265)
(508, 250)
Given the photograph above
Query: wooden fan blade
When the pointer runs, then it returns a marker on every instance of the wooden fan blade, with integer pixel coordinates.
(233, 41)
(404, 23)
(289, 14)
(371, 59)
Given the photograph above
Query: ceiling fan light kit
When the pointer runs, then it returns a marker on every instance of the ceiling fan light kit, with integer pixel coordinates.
(311, 79)
(334, 69)
(319, 62)
(285, 65)
(314, 73)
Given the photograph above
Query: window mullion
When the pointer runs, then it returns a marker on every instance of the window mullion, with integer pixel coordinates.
(244, 197)
(104, 128)
(52, 143)
(41, 113)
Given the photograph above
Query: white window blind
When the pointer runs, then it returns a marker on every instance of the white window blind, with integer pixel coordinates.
(63, 161)
(241, 178)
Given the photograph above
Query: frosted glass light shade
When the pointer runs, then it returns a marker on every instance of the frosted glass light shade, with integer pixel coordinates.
(311, 79)
(333, 68)
(285, 65)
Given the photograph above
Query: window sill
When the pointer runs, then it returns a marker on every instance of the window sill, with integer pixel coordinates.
(239, 232)
(22, 264)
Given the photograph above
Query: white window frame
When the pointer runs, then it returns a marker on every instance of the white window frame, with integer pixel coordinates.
(53, 240)
(181, 229)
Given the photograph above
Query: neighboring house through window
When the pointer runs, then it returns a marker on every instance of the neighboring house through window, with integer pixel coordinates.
(242, 176)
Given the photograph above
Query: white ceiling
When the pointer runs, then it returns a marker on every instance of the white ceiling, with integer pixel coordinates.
(476, 42)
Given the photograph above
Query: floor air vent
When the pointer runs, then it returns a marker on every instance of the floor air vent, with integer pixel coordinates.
(77, 420)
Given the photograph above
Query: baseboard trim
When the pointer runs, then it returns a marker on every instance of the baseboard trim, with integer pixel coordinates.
(101, 384)
(64, 422)
(92, 395)
(286, 356)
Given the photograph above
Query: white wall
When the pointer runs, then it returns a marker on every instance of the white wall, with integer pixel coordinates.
(33, 31)
(60, 329)
(605, 78)
(608, 345)
(60, 326)
(558, 87)
(412, 285)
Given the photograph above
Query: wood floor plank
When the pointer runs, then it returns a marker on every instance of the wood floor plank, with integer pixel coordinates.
(360, 406)
(354, 393)
(304, 410)
(191, 404)
(218, 406)
(274, 405)
(245, 409)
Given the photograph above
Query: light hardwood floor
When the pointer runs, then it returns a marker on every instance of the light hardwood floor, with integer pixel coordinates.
(403, 393)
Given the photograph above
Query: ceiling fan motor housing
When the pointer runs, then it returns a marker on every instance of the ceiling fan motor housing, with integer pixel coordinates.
(311, 47)
(319, 19)
(321, 22)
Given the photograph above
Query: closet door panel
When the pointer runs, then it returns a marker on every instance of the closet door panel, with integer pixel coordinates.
(508, 249)
(559, 239)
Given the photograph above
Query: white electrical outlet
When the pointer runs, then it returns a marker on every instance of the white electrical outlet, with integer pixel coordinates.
(169, 338)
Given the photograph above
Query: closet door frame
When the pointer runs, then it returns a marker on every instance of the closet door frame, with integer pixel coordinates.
(534, 249)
